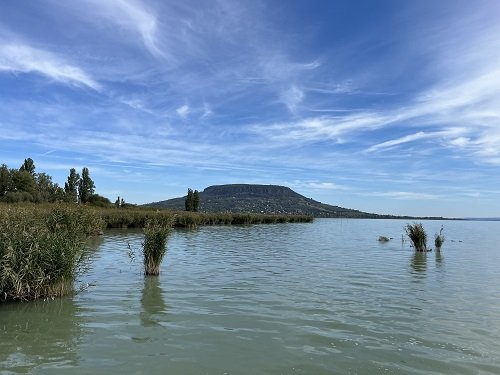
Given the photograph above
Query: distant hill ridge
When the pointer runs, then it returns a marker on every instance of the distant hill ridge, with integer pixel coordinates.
(271, 199)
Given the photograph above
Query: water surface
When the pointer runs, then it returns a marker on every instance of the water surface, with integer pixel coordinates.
(320, 298)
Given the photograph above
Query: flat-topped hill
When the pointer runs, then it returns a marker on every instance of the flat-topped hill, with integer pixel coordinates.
(272, 199)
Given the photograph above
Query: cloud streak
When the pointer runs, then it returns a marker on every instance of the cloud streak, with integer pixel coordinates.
(21, 58)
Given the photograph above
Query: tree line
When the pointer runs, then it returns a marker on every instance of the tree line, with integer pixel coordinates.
(26, 185)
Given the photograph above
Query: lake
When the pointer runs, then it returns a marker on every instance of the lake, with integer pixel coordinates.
(318, 298)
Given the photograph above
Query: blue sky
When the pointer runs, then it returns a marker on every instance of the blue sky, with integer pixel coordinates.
(383, 106)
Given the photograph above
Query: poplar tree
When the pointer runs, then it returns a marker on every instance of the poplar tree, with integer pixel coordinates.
(86, 186)
(28, 166)
(71, 187)
(196, 200)
(189, 203)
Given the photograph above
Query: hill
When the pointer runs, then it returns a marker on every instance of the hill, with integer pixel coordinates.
(272, 199)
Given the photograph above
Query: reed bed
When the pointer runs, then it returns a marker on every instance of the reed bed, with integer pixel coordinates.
(137, 218)
(42, 249)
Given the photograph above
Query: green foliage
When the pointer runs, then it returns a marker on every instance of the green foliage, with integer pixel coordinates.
(23, 181)
(86, 186)
(439, 239)
(28, 166)
(4, 179)
(71, 186)
(196, 201)
(192, 201)
(24, 185)
(417, 236)
(189, 203)
(156, 232)
(99, 200)
(47, 190)
(42, 248)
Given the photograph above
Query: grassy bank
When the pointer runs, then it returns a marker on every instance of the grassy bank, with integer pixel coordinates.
(42, 248)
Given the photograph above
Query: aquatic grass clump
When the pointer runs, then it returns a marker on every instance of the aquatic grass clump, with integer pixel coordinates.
(42, 250)
(417, 235)
(439, 239)
(156, 232)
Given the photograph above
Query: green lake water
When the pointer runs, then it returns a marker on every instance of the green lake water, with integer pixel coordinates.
(320, 298)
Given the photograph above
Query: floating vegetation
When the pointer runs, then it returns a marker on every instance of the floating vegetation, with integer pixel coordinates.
(417, 236)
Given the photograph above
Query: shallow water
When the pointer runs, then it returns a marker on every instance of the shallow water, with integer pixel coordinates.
(320, 298)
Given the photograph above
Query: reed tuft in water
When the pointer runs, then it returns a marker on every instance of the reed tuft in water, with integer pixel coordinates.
(418, 237)
(156, 232)
(439, 239)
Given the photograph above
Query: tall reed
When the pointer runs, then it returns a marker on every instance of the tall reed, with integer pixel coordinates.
(156, 232)
(417, 236)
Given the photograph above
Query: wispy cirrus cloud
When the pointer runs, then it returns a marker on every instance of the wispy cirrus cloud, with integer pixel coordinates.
(404, 195)
(22, 58)
(132, 16)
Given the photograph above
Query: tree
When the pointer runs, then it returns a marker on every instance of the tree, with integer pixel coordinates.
(86, 186)
(23, 181)
(71, 187)
(196, 200)
(28, 166)
(4, 179)
(99, 200)
(46, 188)
(189, 203)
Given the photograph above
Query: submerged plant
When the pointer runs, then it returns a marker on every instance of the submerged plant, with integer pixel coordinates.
(439, 239)
(156, 232)
(417, 236)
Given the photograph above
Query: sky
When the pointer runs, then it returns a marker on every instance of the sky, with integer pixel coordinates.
(390, 107)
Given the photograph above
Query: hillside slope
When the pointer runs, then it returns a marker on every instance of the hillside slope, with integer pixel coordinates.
(271, 199)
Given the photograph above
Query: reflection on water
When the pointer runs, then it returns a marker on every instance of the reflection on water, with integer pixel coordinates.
(152, 302)
(39, 333)
(418, 264)
(439, 259)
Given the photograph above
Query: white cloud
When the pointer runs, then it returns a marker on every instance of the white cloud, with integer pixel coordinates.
(398, 141)
(325, 186)
(25, 59)
(404, 195)
(183, 111)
